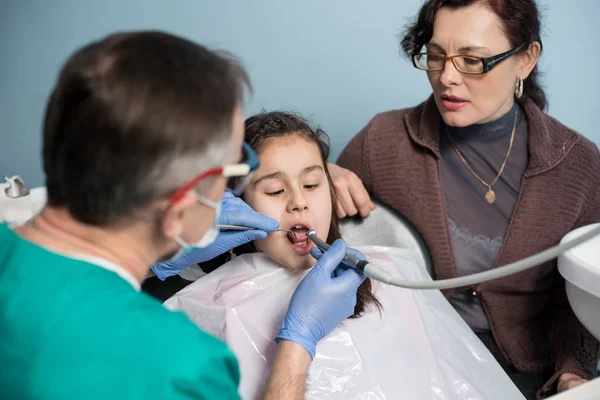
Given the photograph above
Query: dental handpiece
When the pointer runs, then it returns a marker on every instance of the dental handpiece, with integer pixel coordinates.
(348, 260)
(361, 266)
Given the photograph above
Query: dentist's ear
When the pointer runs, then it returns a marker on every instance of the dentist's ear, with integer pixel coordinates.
(171, 221)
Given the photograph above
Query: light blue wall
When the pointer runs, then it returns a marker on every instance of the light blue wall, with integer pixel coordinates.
(335, 61)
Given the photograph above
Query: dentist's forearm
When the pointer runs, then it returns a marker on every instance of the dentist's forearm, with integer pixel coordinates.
(289, 372)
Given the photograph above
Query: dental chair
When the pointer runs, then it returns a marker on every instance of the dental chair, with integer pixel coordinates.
(386, 227)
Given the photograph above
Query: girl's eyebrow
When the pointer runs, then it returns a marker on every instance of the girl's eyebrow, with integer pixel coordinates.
(274, 175)
(311, 169)
(281, 175)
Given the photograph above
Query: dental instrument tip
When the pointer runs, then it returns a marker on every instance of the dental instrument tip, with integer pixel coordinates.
(246, 228)
(290, 232)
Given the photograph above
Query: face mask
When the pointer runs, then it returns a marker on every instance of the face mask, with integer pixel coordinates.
(209, 237)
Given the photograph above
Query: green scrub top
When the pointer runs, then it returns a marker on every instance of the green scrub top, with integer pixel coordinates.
(70, 329)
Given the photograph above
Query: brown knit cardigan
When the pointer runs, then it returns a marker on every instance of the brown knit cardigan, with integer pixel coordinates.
(397, 156)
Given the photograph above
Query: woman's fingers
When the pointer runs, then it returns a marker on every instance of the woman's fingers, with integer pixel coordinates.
(569, 381)
(352, 195)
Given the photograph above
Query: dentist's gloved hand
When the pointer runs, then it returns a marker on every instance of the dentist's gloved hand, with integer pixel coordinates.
(234, 211)
(325, 297)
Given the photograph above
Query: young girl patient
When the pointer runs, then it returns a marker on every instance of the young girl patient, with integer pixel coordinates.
(397, 344)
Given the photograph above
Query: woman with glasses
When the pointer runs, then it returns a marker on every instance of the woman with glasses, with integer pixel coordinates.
(487, 178)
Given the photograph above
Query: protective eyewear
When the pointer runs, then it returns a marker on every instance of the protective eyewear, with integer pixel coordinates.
(238, 175)
(471, 65)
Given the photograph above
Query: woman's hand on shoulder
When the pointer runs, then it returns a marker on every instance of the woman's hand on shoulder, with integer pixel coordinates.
(569, 381)
(352, 196)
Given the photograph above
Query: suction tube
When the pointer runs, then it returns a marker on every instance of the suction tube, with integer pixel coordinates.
(376, 273)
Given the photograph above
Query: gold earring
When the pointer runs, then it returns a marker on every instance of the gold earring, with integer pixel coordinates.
(519, 88)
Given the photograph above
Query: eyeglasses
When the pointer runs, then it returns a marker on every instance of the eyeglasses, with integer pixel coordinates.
(232, 171)
(471, 65)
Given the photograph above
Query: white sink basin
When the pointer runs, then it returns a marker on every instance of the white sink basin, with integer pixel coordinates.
(580, 267)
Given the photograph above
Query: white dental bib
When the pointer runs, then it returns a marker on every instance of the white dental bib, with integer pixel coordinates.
(417, 348)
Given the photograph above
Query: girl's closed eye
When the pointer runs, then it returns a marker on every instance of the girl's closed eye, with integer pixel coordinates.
(311, 186)
(274, 193)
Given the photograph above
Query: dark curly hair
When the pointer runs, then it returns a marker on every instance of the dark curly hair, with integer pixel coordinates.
(267, 126)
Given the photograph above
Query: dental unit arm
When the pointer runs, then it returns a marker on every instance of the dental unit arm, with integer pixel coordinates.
(372, 271)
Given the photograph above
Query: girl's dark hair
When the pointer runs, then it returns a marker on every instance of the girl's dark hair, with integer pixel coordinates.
(266, 126)
(521, 20)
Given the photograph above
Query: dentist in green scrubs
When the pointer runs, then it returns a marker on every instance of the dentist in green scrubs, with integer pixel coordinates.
(142, 132)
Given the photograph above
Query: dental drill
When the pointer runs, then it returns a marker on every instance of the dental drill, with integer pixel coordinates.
(372, 271)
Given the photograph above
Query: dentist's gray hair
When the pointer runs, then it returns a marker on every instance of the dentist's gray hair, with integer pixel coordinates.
(132, 118)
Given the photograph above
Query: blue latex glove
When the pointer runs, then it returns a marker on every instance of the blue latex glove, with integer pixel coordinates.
(234, 211)
(325, 297)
